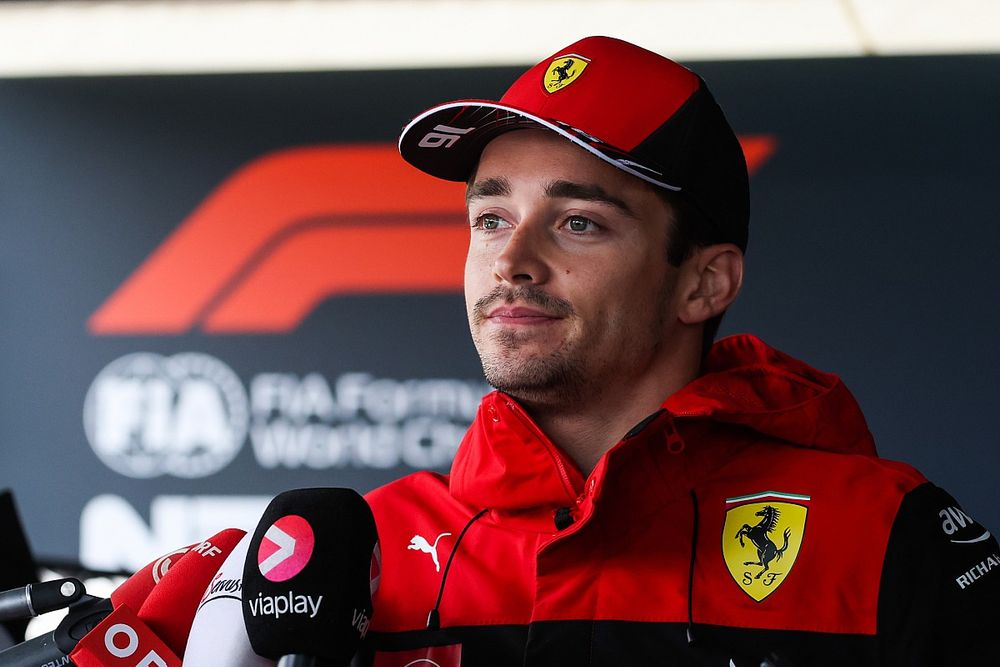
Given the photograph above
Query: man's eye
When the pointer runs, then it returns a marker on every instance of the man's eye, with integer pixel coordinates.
(578, 223)
(489, 221)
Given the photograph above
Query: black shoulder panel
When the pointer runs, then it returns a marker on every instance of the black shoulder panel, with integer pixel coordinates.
(940, 586)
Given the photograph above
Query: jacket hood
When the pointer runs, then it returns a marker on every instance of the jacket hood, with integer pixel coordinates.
(747, 382)
(506, 462)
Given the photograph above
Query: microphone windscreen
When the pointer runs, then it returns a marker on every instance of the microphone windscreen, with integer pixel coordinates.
(170, 608)
(309, 575)
(134, 590)
(17, 564)
(218, 635)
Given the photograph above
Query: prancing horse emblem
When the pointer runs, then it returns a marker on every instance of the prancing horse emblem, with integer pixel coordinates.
(563, 71)
(419, 543)
(767, 550)
(752, 528)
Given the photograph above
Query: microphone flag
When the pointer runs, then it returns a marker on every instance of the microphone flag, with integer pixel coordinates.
(170, 607)
(122, 639)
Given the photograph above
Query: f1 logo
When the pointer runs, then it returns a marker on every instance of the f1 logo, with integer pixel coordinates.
(443, 135)
(286, 548)
(289, 231)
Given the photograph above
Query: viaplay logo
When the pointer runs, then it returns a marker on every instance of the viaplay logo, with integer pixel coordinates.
(295, 228)
(286, 548)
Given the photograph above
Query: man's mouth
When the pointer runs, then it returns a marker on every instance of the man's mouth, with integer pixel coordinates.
(519, 306)
(512, 315)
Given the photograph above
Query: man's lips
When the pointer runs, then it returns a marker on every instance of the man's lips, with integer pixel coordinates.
(513, 315)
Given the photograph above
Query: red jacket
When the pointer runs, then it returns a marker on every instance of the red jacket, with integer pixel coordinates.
(748, 520)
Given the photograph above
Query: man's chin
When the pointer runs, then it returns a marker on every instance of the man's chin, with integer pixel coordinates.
(533, 378)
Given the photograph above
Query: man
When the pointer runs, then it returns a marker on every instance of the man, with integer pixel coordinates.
(629, 496)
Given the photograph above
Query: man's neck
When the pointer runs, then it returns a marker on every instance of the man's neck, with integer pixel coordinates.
(588, 428)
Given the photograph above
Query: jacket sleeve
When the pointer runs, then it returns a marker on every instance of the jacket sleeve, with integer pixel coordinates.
(940, 588)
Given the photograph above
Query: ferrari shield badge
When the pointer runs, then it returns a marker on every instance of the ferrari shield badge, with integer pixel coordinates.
(563, 71)
(761, 539)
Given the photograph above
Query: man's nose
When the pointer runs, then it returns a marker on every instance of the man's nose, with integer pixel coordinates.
(523, 258)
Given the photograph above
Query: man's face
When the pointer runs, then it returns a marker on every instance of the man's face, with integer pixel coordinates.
(567, 286)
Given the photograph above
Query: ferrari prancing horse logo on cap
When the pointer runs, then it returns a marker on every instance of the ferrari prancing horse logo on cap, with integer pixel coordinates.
(563, 71)
(761, 539)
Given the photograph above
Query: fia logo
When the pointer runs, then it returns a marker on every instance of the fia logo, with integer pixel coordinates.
(563, 71)
(147, 415)
(750, 541)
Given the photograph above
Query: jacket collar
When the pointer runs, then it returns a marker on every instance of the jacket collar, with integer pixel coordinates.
(505, 462)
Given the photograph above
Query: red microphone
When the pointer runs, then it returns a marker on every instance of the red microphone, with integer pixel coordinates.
(123, 639)
(170, 607)
(157, 634)
(98, 632)
(134, 590)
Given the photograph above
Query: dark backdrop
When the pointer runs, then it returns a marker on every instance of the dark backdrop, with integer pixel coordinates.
(871, 255)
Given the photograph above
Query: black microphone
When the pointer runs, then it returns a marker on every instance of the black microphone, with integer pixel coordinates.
(52, 648)
(37, 599)
(17, 564)
(311, 570)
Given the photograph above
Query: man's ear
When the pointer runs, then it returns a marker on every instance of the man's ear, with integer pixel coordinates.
(709, 281)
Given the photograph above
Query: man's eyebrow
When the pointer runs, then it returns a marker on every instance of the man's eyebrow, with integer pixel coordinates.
(587, 192)
(488, 187)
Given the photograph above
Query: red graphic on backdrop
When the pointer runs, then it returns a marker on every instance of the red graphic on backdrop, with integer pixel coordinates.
(295, 228)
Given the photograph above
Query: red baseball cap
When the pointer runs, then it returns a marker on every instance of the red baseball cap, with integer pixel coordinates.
(632, 108)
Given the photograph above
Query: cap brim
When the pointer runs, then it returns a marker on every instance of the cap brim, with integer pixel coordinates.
(446, 141)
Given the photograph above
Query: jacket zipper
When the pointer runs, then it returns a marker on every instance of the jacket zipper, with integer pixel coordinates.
(549, 447)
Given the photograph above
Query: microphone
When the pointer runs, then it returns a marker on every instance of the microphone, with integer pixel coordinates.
(122, 639)
(166, 608)
(17, 564)
(310, 573)
(170, 607)
(218, 635)
(37, 599)
(134, 590)
(53, 647)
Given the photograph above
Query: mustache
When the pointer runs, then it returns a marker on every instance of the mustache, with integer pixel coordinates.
(529, 294)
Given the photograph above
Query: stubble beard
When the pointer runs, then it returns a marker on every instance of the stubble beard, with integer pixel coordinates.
(535, 379)
(559, 377)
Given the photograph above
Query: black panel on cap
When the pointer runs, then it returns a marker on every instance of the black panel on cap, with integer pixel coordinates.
(697, 151)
